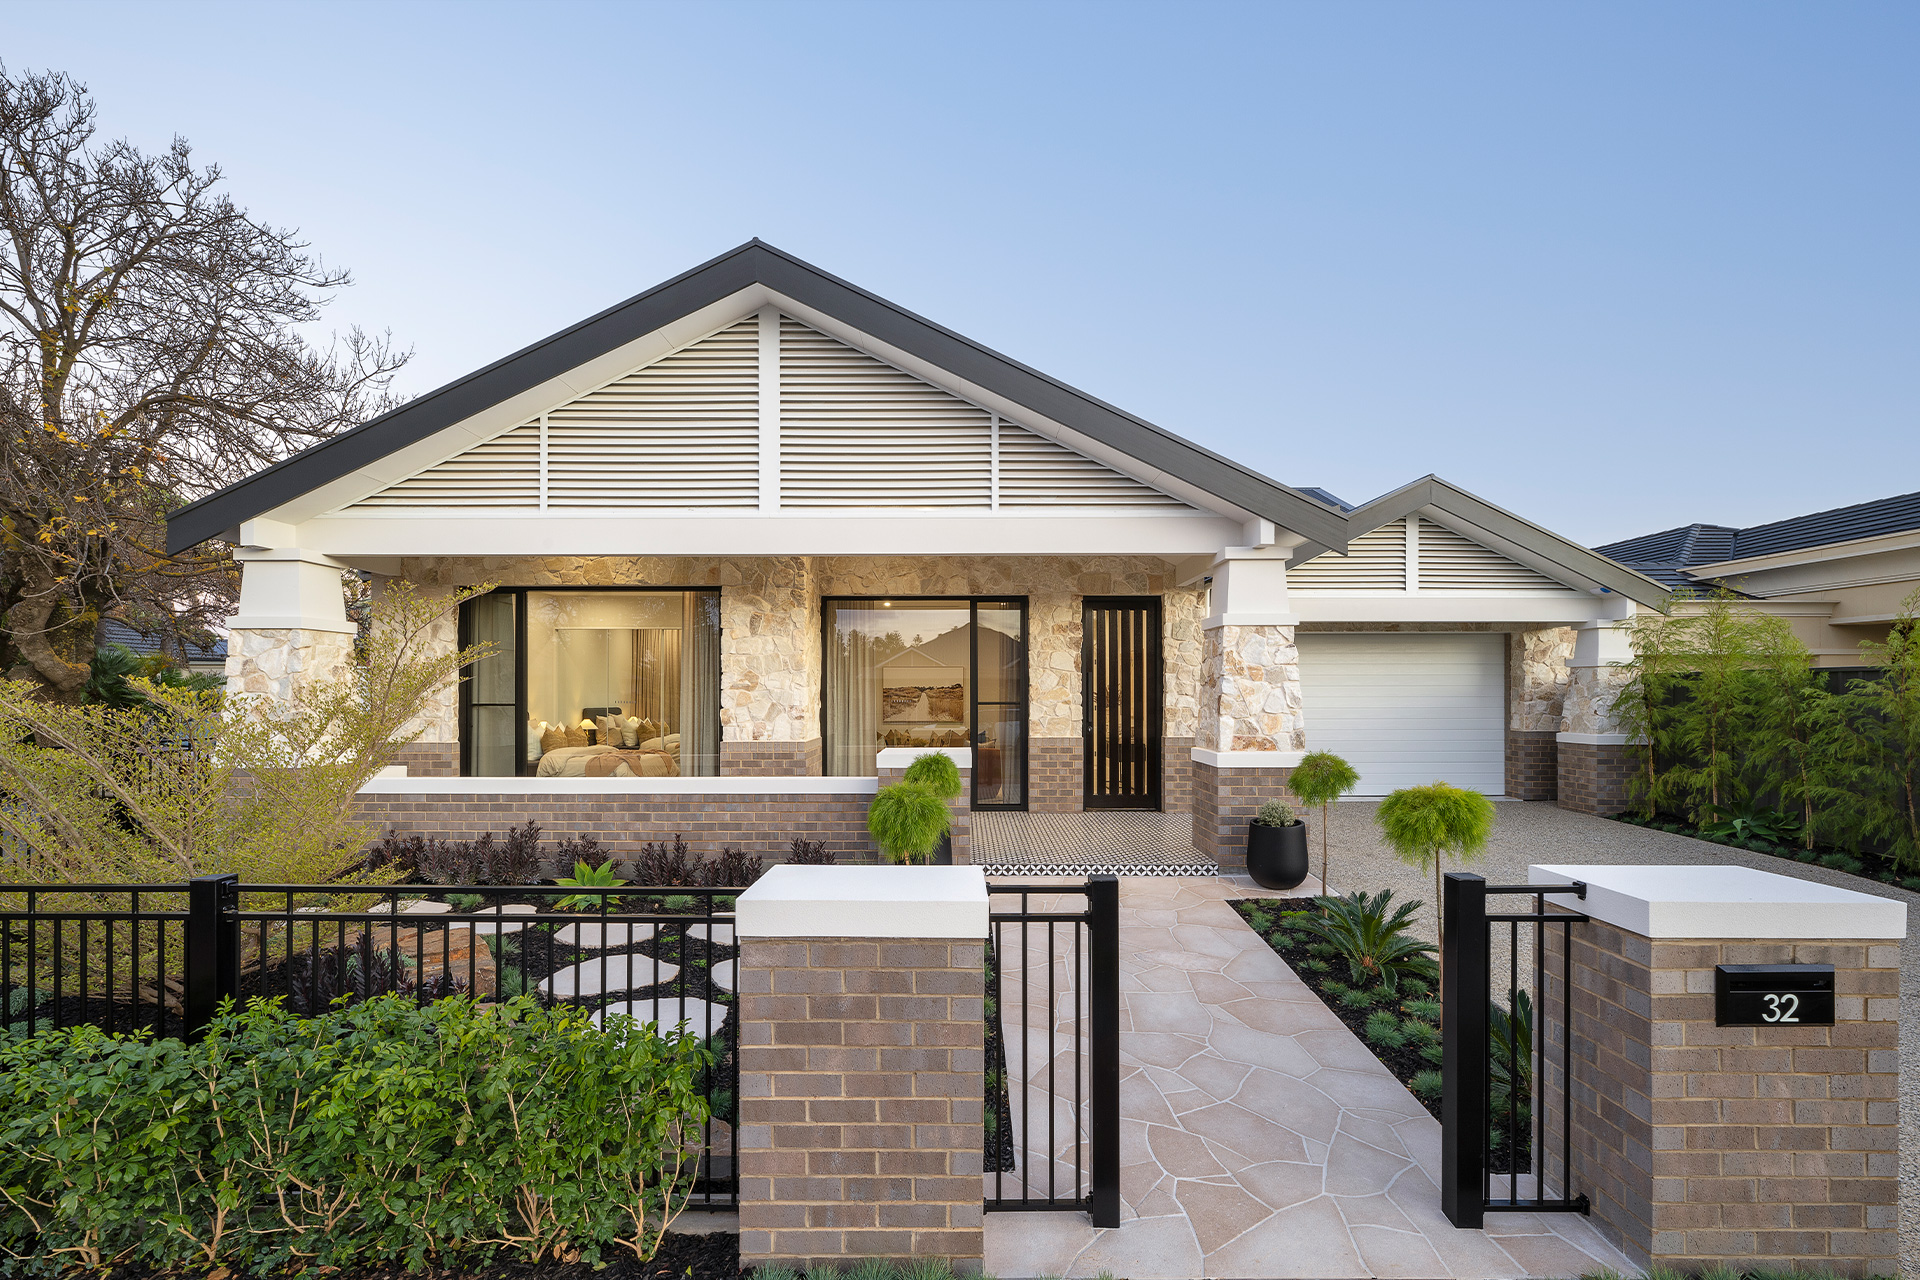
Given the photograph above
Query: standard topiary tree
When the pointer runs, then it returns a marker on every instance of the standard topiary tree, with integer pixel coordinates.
(937, 772)
(907, 820)
(1421, 823)
(1320, 778)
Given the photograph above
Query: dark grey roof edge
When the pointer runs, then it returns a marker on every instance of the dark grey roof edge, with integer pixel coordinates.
(753, 263)
(1431, 490)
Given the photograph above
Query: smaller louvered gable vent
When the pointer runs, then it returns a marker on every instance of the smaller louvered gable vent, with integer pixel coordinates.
(857, 432)
(1452, 562)
(682, 432)
(1037, 472)
(1375, 561)
(503, 472)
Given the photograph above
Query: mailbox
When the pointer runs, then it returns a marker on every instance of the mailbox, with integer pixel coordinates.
(1773, 995)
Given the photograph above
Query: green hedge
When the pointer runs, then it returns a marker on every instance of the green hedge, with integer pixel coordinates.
(382, 1132)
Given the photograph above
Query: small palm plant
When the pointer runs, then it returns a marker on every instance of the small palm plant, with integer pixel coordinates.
(1372, 942)
(1320, 778)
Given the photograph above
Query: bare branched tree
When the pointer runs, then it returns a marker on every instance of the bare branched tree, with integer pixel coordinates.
(150, 352)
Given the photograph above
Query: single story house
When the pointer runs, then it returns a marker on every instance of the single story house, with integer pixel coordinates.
(761, 536)
(1838, 577)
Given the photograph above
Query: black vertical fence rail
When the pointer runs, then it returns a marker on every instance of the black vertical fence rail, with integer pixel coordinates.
(1075, 988)
(167, 960)
(1470, 1188)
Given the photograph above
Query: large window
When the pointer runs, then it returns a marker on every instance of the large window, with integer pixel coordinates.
(590, 684)
(929, 673)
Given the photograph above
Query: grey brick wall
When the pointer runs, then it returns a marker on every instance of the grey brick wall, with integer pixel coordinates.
(1055, 779)
(1224, 802)
(1593, 776)
(861, 1088)
(1533, 764)
(770, 759)
(1754, 1146)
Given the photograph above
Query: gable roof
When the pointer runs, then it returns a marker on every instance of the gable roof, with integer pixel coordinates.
(753, 263)
(1508, 533)
(1671, 553)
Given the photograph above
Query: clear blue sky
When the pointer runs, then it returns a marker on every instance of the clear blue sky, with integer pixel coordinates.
(1613, 266)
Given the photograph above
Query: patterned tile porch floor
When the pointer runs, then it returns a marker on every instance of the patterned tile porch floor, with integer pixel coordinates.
(1116, 841)
(1260, 1139)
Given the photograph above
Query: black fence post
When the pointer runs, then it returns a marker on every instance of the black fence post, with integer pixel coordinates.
(1103, 1018)
(212, 950)
(1465, 972)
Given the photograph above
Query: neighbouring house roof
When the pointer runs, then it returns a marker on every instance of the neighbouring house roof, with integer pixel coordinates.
(1672, 554)
(116, 632)
(754, 263)
(1314, 491)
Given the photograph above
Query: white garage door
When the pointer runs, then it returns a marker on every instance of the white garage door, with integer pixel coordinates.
(1408, 709)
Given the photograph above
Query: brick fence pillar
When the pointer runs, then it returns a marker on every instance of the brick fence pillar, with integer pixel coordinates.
(1771, 1147)
(862, 1056)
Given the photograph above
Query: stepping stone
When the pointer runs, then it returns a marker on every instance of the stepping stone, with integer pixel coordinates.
(408, 907)
(492, 930)
(700, 1017)
(722, 975)
(604, 935)
(722, 934)
(604, 974)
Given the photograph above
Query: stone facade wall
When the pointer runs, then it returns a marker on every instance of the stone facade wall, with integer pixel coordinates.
(1224, 802)
(1593, 776)
(1768, 1147)
(1588, 704)
(861, 1101)
(273, 663)
(760, 824)
(1538, 678)
(1056, 775)
(1250, 690)
(1533, 764)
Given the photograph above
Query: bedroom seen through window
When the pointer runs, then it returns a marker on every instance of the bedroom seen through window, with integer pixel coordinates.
(593, 684)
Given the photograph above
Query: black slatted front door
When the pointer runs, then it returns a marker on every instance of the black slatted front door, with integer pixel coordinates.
(1120, 701)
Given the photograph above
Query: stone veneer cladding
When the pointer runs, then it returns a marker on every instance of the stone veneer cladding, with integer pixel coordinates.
(1533, 764)
(861, 1085)
(1224, 802)
(1774, 1147)
(1593, 776)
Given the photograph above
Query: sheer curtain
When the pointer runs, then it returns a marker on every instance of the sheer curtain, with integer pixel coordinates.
(853, 702)
(699, 724)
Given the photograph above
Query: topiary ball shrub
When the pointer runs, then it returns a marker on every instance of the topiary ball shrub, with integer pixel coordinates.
(1275, 813)
(907, 821)
(937, 772)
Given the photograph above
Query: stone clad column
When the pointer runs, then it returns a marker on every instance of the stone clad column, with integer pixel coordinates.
(1249, 733)
(1593, 759)
(1771, 1146)
(862, 1057)
(292, 627)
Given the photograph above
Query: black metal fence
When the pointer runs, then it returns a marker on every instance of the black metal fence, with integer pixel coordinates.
(1495, 1111)
(162, 957)
(1053, 1069)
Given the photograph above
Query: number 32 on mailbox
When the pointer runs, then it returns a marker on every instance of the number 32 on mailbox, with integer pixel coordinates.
(1773, 995)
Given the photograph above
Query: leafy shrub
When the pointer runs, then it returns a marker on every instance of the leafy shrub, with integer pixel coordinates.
(1842, 862)
(1274, 813)
(733, 868)
(356, 972)
(1426, 1084)
(587, 877)
(907, 820)
(937, 772)
(381, 1133)
(483, 860)
(1372, 942)
(1744, 825)
(663, 865)
(809, 853)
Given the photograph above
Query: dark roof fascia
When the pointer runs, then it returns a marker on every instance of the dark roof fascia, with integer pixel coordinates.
(1434, 492)
(753, 263)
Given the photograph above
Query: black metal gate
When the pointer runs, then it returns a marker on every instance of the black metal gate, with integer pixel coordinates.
(1498, 1103)
(1121, 702)
(1053, 1050)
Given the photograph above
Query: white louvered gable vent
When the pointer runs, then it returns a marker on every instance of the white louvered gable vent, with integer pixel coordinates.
(1375, 561)
(857, 432)
(1037, 472)
(1451, 562)
(682, 432)
(503, 472)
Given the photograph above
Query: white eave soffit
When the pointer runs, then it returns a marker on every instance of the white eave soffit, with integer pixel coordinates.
(583, 379)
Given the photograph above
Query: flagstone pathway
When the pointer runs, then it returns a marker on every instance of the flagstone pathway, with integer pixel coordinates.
(1260, 1139)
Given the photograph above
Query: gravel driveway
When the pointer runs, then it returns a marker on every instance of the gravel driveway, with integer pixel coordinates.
(1541, 832)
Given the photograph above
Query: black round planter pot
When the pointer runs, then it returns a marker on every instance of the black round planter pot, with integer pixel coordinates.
(1277, 856)
(943, 852)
